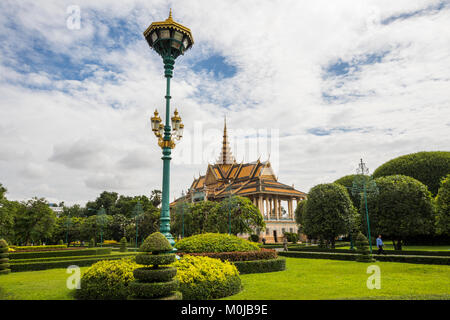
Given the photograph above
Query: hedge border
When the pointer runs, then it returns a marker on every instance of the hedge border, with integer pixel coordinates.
(35, 266)
(261, 266)
(152, 289)
(59, 253)
(390, 252)
(154, 275)
(352, 257)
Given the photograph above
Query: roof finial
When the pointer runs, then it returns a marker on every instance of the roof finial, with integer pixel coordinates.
(170, 14)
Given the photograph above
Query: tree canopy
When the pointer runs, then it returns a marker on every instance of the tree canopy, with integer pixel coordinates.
(427, 167)
(402, 208)
(329, 212)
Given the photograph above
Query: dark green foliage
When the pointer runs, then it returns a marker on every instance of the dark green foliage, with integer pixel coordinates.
(329, 212)
(155, 275)
(389, 252)
(263, 254)
(59, 253)
(155, 259)
(253, 238)
(156, 243)
(123, 245)
(402, 208)
(92, 243)
(60, 242)
(215, 242)
(427, 167)
(44, 265)
(352, 257)
(209, 216)
(208, 290)
(153, 289)
(291, 237)
(362, 247)
(4, 260)
(260, 266)
(347, 182)
(443, 207)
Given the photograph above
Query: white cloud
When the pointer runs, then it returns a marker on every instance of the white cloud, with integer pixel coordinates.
(75, 134)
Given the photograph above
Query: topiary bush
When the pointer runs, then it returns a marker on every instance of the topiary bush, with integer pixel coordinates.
(107, 280)
(204, 278)
(291, 237)
(92, 243)
(215, 242)
(427, 167)
(253, 238)
(155, 282)
(362, 247)
(4, 257)
(123, 245)
(443, 207)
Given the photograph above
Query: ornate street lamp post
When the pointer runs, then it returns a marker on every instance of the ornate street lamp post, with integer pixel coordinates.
(170, 40)
(364, 184)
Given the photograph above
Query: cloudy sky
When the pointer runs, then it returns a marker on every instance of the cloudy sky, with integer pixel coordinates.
(329, 82)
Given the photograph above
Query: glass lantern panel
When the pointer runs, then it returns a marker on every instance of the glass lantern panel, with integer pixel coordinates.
(178, 36)
(154, 36)
(176, 45)
(185, 43)
(165, 34)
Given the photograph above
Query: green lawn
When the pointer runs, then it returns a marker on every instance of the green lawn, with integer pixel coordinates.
(303, 279)
(331, 279)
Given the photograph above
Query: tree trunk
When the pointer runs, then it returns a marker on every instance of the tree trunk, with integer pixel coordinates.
(394, 244)
(333, 243)
(399, 245)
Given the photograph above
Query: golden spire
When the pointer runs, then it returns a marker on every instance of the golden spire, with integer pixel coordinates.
(225, 156)
(170, 15)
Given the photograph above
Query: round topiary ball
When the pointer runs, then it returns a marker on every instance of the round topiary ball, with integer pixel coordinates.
(156, 243)
(3, 243)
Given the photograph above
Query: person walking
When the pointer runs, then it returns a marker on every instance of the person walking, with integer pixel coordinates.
(380, 245)
(285, 243)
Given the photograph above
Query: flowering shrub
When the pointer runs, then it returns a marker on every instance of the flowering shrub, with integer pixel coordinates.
(11, 250)
(107, 280)
(204, 278)
(215, 242)
(110, 242)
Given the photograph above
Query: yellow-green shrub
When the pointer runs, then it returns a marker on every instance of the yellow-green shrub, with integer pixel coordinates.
(204, 278)
(107, 280)
(215, 242)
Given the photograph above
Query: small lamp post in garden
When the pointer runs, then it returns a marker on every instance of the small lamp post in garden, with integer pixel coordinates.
(68, 222)
(170, 40)
(364, 184)
(137, 212)
(101, 221)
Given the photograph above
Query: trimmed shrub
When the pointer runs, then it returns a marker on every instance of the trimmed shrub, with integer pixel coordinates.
(155, 259)
(362, 247)
(261, 266)
(155, 275)
(155, 282)
(107, 280)
(39, 248)
(427, 167)
(92, 243)
(123, 245)
(253, 238)
(291, 237)
(215, 242)
(4, 260)
(156, 243)
(204, 278)
(61, 243)
(263, 254)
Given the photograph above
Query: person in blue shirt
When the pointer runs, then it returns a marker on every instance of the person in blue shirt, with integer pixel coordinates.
(380, 245)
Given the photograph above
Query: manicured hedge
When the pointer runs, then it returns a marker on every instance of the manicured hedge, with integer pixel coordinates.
(389, 252)
(263, 254)
(215, 242)
(82, 262)
(62, 253)
(155, 275)
(260, 266)
(51, 259)
(155, 259)
(352, 257)
(39, 248)
(152, 289)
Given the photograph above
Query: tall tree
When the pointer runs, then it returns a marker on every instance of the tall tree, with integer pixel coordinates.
(35, 221)
(329, 212)
(443, 207)
(403, 208)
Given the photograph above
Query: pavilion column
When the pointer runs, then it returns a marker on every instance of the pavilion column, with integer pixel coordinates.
(261, 205)
(290, 208)
(276, 207)
(267, 212)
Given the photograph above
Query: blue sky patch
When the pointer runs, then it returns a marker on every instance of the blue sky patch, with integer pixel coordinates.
(433, 9)
(343, 68)
(326, 132)
(217, 65)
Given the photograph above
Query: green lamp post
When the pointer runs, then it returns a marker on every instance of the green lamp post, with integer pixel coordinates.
(170, 40)
(362, 185)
